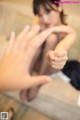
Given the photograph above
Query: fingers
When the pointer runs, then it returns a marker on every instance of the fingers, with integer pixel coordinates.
(65, 58)
(50, 55)
(37, 41)
(21, 38)
(11, 43)
(33, 32)
(30, 35)
(59, 67)
(57, 60)
(26, 35)
(57, 56)
(23, 33)
(40, 80)
(40, 38)
(62, 63)
(57, 64)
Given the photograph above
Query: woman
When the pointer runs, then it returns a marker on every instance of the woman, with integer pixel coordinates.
(50, 14)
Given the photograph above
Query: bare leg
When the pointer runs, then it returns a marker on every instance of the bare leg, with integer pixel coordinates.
(50, 45)
(30, 93)
(35, 61)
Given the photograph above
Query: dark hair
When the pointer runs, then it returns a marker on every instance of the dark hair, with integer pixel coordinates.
(46, 4)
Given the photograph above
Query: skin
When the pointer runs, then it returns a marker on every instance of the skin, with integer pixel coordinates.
(57, 39)
(56, 46)
(18, 57)
(10, 115)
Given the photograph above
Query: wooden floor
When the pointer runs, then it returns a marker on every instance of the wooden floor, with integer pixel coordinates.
(22, 112)
(58, 100)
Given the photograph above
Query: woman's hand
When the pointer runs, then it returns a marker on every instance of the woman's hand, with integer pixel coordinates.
(57, 59)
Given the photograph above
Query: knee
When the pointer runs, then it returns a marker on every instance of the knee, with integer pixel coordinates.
(52, 39)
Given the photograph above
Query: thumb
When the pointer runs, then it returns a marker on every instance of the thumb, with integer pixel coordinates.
(60, 53)
(39, 80)
(50, 55)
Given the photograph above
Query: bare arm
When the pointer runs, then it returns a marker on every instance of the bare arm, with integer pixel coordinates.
(69, 38)
(58, 57)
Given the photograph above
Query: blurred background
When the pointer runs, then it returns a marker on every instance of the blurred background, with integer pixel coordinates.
(14, 15)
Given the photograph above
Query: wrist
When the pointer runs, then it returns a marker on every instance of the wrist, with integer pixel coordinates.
(58, 48)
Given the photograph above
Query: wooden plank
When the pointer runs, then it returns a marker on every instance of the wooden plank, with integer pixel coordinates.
(34, 115)
(58, 100)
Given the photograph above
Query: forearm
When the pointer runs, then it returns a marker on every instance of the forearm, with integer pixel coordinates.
(64, 29)
(69, 38)
(67, 42)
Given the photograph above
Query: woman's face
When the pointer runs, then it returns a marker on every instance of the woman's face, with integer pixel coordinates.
(49, 17)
